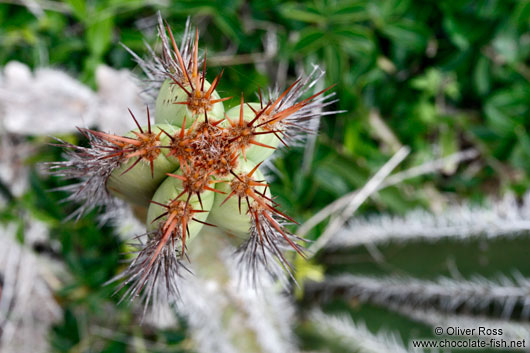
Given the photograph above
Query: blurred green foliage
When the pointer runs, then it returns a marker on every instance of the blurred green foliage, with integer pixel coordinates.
(442, 76)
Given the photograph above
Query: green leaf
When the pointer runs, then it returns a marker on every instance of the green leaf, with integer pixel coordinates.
(407, 33)
(351, 136)
(78, 8)
(350, 12)
(430, 82)
(457, 33)
(507, 108)
(99, 35)
(521, 15)
(230, 26)
(299, 12)
(481, 76)
(335, 61)
(356, 40)
(311, 39)
(506, 44)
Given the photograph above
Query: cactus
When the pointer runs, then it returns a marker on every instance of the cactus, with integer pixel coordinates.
(196, 166)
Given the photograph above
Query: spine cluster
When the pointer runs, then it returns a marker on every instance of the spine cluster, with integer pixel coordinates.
(196, 166)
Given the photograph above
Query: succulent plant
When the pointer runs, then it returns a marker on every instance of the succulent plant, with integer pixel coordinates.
(195, 166)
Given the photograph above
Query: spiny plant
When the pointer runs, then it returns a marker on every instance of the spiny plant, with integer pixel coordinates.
(447, 285)
(196, 166)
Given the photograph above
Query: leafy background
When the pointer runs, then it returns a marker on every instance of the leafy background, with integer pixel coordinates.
(437, 76)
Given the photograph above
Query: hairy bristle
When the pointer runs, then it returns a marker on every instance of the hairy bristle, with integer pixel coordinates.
(266, 245)
(154, 272)
(91, 166)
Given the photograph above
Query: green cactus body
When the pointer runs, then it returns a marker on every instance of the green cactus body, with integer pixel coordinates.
(136, 184)
(255, 153)
(233, 215)
(170, 107)
(168, 192)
